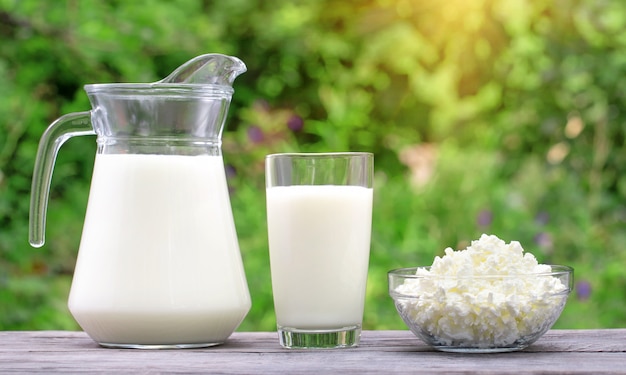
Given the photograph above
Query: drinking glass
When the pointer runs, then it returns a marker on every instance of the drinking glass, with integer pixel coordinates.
(319, 214)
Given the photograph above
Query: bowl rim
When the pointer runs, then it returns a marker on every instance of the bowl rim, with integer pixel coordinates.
(399, 276)
(410, 273)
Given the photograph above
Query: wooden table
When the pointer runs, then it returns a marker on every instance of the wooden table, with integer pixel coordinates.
(380, 352)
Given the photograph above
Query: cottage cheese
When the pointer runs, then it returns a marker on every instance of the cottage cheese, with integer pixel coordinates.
(482, 296)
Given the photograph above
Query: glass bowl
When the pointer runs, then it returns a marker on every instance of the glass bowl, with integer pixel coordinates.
(479, 314)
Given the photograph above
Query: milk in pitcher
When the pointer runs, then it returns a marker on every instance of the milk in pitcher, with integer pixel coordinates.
(159, 261)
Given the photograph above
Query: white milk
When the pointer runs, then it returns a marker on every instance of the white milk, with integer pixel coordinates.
(319, 239)
(159, 261)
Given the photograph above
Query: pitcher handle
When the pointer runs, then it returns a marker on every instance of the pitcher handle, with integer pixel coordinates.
(64, 128)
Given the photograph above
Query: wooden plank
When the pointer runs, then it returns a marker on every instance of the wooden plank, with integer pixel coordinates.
(571, 351)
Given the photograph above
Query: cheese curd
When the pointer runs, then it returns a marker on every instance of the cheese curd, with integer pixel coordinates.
(491, 294)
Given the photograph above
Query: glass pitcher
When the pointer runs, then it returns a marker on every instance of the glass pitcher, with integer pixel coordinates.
(159, 263)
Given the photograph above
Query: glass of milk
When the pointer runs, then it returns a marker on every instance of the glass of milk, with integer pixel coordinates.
(319, 214)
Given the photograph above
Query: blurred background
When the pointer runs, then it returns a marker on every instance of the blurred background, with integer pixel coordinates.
(505, 117)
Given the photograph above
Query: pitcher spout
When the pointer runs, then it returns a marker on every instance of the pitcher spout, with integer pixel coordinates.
(212, 68)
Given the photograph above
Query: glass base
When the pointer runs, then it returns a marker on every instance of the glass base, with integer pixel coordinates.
(345, 337)
(158, 346)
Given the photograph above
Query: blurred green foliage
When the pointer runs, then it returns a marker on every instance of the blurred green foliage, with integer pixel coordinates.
(504, 117)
